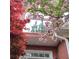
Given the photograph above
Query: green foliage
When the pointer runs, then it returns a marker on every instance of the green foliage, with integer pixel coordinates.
(44, 1)
(51, 10)
(42, 10)
(31, 1)
(57, 8)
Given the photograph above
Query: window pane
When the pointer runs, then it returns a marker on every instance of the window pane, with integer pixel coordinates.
(41, 55)
(46, 55)
(34, 54)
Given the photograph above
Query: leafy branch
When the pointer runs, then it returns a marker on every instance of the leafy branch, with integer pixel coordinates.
(53, 9)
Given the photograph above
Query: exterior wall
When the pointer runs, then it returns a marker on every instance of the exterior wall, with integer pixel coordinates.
(59, 52)
(62, 51)
(53, 49)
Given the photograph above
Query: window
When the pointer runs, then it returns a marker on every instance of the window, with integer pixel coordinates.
(38, 54)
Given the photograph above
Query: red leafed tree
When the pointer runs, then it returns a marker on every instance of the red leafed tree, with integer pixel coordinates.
(17, 41)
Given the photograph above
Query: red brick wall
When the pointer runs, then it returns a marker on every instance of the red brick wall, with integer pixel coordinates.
(59, 52)
(62, 51)
(53, 49)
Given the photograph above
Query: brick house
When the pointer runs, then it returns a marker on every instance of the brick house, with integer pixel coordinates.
(50, 49)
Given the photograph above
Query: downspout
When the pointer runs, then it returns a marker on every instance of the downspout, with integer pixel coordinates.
(66, 41)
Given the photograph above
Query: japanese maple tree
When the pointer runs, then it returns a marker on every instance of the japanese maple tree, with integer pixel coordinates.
(17, 37)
